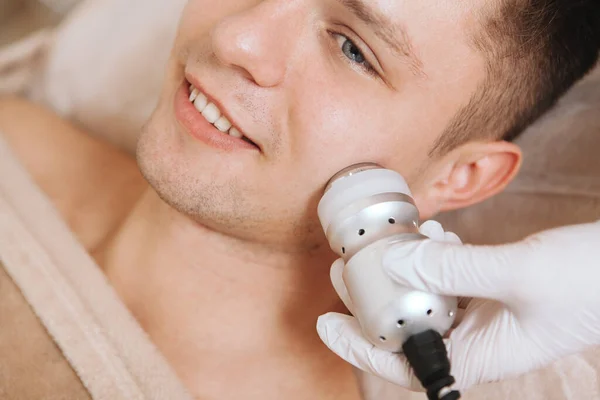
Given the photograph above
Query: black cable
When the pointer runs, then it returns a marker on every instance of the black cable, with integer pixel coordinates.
(427, 355)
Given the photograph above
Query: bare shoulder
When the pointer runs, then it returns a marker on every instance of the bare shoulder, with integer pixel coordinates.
(91, 183)
(45, 143)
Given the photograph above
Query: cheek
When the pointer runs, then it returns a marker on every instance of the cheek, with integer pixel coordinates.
(333, 126)
(335, 131)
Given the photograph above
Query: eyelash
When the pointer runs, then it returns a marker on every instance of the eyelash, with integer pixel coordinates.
(365, 67)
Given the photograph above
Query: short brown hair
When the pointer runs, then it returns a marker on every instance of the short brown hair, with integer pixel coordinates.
(535, 51)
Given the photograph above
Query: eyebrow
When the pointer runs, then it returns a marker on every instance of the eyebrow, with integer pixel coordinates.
(393, 34)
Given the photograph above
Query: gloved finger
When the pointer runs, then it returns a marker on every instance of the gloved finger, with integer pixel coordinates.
(454, 270)
(433, 230)
(342, 334)
(451, 237)
(335, 273)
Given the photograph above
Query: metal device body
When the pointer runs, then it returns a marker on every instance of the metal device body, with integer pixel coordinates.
(365, 210)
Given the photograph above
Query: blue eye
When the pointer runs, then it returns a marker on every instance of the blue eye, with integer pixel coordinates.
(352, 52)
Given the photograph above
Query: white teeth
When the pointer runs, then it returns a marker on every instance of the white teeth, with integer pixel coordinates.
(201, 101)
(211, 113)
(223, 124)
(194, 94)
(235, 133)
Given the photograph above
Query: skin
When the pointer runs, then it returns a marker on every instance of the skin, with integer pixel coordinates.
(221, 257)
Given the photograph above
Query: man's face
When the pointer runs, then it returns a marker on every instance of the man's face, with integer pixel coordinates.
(315, 86)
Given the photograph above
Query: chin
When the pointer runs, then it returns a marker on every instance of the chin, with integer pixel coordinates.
(195, 187)
(227, 205)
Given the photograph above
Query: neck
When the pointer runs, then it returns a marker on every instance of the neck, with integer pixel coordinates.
(209, 301)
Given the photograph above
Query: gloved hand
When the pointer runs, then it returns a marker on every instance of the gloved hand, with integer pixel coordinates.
(535, 301)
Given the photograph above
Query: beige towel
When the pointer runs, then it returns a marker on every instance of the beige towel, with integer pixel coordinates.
(105, 346)
(31, 365)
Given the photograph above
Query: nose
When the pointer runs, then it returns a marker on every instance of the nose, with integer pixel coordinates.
(260, 40)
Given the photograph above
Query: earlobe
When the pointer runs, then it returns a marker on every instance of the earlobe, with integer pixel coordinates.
(479, 171)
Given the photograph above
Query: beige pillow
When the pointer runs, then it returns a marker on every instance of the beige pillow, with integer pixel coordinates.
(102, 67)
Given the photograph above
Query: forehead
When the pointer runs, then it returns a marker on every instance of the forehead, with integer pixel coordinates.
(450, 8)
(452, 23)
(442, 34)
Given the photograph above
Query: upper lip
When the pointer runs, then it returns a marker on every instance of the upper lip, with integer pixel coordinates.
(191, 79)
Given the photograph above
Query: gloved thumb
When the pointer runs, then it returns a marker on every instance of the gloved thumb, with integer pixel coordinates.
(343, 335)
(454, 269)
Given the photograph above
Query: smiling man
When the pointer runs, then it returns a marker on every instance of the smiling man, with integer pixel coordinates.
(215, 248)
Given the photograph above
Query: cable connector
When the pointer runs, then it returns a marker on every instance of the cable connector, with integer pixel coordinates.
(428, 357)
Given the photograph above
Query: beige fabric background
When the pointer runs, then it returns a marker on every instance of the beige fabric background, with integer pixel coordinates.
(20, 17)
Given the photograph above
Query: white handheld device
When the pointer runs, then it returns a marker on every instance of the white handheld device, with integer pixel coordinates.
(364, 210)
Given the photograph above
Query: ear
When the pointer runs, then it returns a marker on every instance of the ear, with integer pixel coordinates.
(470, 174)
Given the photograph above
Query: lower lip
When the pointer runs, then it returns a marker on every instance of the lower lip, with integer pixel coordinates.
(198, 127)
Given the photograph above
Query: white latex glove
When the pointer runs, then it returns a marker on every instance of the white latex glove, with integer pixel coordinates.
(535, 301)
